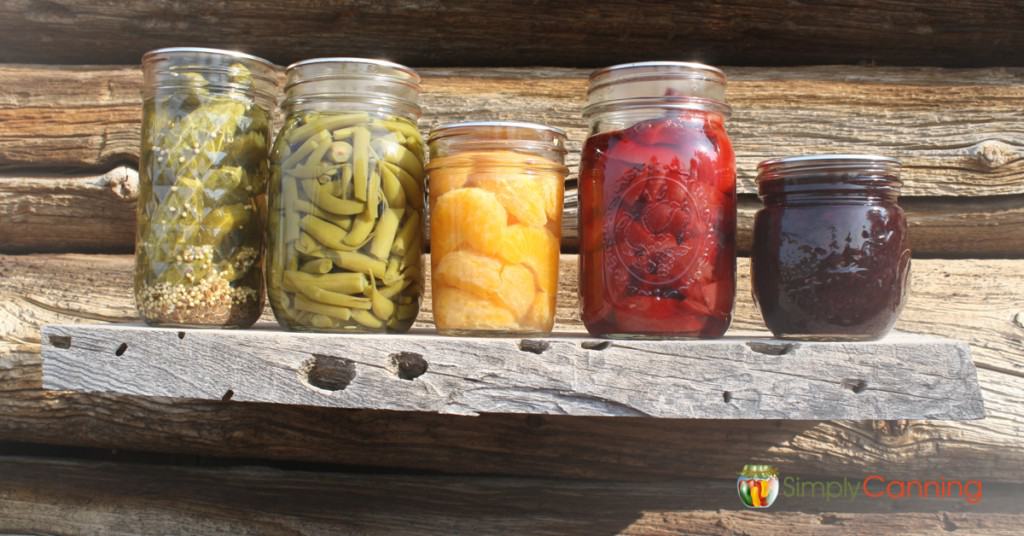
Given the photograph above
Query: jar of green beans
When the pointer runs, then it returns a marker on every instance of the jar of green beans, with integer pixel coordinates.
(202, 187)
(345, 225)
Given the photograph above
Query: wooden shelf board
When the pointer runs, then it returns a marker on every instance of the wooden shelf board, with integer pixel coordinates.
(904, 376)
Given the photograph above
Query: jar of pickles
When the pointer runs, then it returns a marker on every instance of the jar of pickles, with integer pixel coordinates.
(345, 229)
(496, 191)
(202, 186)
(657, 198)
(830, 259)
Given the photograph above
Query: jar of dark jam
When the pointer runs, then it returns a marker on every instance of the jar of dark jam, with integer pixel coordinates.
(657, 203)
(830, 259)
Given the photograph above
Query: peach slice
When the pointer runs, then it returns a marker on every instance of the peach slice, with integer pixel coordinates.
(467, 215)
(456, 309)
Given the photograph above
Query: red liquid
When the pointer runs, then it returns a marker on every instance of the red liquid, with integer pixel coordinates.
(658, 228)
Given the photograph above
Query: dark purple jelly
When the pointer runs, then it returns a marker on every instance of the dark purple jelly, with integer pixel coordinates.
(830, 260)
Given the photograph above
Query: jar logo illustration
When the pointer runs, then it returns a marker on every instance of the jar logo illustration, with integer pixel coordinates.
(657, 232)
(758, 486)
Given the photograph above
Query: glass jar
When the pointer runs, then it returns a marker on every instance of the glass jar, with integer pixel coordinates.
(496, 191)
(657, 203)
(345, 231)
(202, 187)
(830, 259)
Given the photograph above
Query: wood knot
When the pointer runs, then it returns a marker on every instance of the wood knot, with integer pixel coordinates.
(1018, 319)
(328, 372)
(892, 432)
(123, 182)
(991, 154)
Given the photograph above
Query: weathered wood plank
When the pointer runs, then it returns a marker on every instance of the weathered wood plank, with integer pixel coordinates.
(85, 213)
(978, 32)
(975, 301)
(957, 130)
(50, 496)
(900, 377)
(96, 213)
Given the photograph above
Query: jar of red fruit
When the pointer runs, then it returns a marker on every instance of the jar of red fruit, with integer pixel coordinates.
(830, 259)
(657, 203)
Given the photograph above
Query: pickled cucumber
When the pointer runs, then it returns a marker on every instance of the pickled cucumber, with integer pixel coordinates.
(203, 176)
(346, 222)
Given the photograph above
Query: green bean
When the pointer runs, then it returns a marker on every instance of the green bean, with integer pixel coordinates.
(384, 236)
(362, 228)
(367, 319)
(322, 124)
(322, 321)
(373, 195)
(341, 151)
(317, 266)
(357, 262)
(320, 195)
(345, 184)
(413, 190)
(324, 232)
(360, 162)
(382, 307)
(408, 311)
(304, 304)
(409, 231)
(345, 222)
(345, 283)
(395, 153)
(392, 189)
(412, 253)
(395, 125)
(313, 165)
(306, 149)
(328, 297)
(290, 194)
(392, 290)
(342, 133)
(393, 271)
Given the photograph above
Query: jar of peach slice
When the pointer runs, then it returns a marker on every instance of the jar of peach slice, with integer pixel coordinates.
(496, 192)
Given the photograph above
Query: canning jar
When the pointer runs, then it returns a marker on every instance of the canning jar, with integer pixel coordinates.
(345, 232)
(830, 259)
(657, 203)
(496, 192)
(202, 187)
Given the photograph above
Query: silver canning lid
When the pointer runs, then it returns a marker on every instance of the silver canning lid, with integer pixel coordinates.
(824, 163)
(442, 130)
(153, 55)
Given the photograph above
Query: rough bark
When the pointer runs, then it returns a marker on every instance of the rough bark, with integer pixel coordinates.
(956, 130)
(77, 497)
(918, 32)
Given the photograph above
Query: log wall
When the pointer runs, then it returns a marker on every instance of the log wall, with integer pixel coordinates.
(936, 84)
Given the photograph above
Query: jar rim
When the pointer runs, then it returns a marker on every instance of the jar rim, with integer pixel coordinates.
(819, 164)
(444, 129)
(359, 61)
(681, 67)
(155, 54)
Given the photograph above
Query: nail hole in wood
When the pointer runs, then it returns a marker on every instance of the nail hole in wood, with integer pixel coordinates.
(534, 346)
(121, 349)
(60, 341)
(726, 396)
(771, 348)
(595, 345)
(855, 385)
(181, 334)
(330, 372)
(408, 365)
(227, 395)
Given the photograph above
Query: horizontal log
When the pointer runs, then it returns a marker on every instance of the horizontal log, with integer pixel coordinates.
(93, 213)
(917, 32)
(956, 130)
(96, 213)
(974, 301)
(53, 496)
(900, 377)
